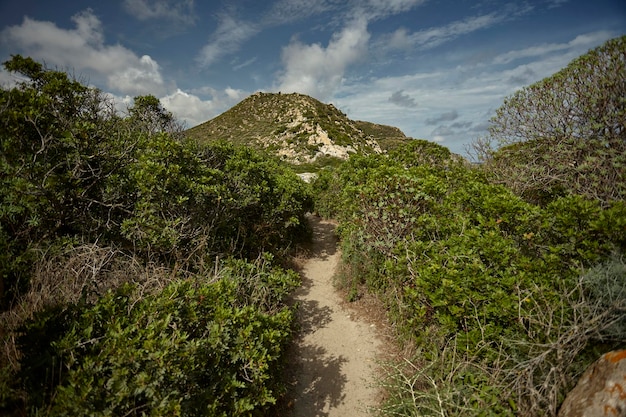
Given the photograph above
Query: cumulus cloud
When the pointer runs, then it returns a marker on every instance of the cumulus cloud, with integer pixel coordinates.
(182, 11)
(318, 71)
(84, 49)
(192, 110)
(403, 100)
(139, 78)
(232, 32)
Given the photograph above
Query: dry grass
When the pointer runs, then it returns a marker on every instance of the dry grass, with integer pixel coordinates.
(82, 273)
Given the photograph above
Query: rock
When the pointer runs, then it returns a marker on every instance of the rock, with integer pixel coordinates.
(307, 176)
(601, 392)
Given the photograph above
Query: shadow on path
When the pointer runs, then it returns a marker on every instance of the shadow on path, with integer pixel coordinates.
(324, 239)
(316, 376)
(320, 383)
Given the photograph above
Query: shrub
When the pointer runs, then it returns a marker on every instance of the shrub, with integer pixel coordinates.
(565, 133)
(111, 232)
(198, 347)
(462, 262)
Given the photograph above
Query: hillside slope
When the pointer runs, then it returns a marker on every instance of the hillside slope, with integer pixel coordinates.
(297, 128)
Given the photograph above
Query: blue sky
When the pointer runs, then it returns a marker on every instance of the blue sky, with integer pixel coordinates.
(437, 69)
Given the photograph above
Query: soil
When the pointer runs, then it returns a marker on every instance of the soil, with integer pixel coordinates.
(334, 357)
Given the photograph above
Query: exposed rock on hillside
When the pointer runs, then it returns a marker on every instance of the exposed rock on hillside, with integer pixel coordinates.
(296, 127)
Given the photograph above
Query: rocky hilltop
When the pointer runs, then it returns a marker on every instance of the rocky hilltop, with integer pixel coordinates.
(296, 127)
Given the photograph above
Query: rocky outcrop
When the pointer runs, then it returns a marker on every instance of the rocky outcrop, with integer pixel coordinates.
(601, 392)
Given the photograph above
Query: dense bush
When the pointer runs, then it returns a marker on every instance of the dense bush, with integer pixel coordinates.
(467, 264)
(197, 347)
(112, 230)
(71, 166)
(565, 134)
(492, 272)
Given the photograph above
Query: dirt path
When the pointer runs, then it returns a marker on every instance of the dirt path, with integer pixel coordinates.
(334, 353)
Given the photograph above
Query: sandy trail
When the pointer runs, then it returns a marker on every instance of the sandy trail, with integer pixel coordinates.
(334, 355)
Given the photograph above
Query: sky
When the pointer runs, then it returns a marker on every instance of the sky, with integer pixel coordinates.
(436, 69)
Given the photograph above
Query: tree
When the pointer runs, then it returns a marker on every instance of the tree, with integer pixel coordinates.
(148, 115)
(54, 152)
(566, 132)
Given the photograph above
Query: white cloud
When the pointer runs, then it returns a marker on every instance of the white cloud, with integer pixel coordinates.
(474, 89)
(192, 110)
(138, 79)
(189, 108)
(239, 65)
(234, 94)
(402, 39)
(8, 80)
(88, 27)
(318, 71)
(83, 49)
(432, 37)
(232, 32)
(175, 10)
(228, 37)
(587, 40)
(375, 9)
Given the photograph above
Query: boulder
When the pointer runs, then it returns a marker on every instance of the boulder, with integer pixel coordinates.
(601, 392)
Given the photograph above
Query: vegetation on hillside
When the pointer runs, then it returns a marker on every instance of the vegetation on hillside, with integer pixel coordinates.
(506, 285)
(136, 267)
(298, 128)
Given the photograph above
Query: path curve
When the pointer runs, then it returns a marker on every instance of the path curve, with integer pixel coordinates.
(334, 354)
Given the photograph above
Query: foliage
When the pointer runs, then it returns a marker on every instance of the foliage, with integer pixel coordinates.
(463, 262)
(56, 151)
(421, 152)
(148, 115)
(112, 228)
(71, 166)
(565, 133)
(196, 348)
(596, 306)
(267, 201)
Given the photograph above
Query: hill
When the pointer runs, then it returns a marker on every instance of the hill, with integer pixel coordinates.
(296, 127)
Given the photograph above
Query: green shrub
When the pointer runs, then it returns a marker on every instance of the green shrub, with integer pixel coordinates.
(71, 167)
(196, 348)
(462, 262)
(139, 322)
(564, 134)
